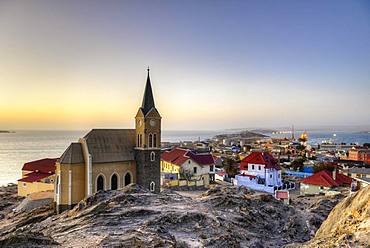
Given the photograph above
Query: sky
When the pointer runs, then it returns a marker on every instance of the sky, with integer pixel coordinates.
(214, 64)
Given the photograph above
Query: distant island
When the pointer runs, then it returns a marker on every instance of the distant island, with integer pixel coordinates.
(6, 131)
(241, 135)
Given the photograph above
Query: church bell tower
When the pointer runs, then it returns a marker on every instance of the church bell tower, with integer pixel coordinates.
(148, 142)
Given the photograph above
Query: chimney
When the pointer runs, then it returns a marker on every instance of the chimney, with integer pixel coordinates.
(335, 174)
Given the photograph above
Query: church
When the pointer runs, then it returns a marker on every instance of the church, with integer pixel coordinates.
(109, 159)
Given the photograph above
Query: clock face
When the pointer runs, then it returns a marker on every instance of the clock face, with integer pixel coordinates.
(152, 123)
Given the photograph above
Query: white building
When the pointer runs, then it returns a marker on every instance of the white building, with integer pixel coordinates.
(259, 171)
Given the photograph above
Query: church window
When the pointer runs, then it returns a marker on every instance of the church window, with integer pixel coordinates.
(195, 170)
(152, 186)
(154, 140)
(150, 140)
(138, 140)
(114, 182)
(141, 140)
(57, 185)
(152, 156)
(100, 183)
(127, 178)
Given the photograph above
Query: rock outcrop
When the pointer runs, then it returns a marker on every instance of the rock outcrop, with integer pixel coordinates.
(9, 199)
(133, 217)
(348, 224)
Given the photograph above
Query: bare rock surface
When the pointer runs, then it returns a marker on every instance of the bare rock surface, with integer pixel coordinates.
(348, 225)
(9, 199)
(132, 217)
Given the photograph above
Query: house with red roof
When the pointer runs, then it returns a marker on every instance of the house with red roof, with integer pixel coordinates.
(259, 171)
(37, 176)
(324, 181)
(185, 164)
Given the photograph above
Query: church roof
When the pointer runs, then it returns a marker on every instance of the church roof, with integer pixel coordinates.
(111, 145)
(73, 155)
(148, 99)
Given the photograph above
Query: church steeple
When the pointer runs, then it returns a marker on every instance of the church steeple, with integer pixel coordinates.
(148, 99)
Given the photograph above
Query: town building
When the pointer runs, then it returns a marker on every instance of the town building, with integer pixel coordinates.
(323, 181)
(108, 159)
(356, 172)
(182, 164)
(37, 176)
(359, 155)
(259, 171)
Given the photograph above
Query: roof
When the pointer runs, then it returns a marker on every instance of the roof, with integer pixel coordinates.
(111, 145)
(148, 99)
(264, 158)
(179, 156)
(34, 176)
(201, 158)
(46, 165)
(73, 155)
(325, 178)
(175, 156)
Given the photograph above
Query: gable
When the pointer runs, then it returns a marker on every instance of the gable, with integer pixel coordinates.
(153, 113)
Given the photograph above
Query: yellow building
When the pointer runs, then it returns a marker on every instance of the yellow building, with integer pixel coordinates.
(109, 159)
(37, 176)
(178, 165)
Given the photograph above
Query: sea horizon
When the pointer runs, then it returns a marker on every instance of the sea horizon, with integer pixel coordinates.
(28, 145)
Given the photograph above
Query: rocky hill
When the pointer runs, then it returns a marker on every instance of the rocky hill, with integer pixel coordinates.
(348, 224)
(133, 217)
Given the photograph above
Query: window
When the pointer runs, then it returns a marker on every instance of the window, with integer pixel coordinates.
(25, 185)
(195, 170)
(154, 140)
(127, 178)
(189, 162)
(100, 183)
(57, 185)
(150, 140)
(270, 175)
(252, 166)
(141, 140)
(138, 140)
(152, 156)
(211, 168)
(152, 186)
(114, 182)
(259, 167)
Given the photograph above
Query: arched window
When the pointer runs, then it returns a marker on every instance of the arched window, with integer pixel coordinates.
(141, 140)
(152, 156)
(57, 185)
(138, 140)
(99, 183)
(127, 178)
(114, 182)
(154, 140)
(150, 140)
(152, 186)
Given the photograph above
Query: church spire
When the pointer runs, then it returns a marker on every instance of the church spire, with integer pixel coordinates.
(148, 99)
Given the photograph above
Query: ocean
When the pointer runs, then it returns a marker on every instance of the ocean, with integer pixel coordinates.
(24, 146)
